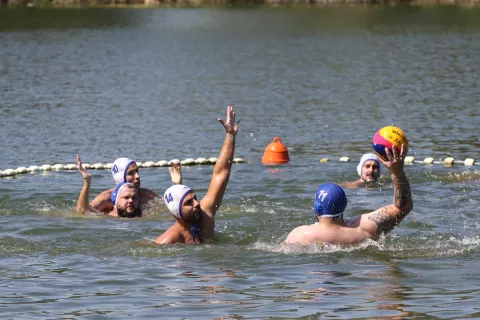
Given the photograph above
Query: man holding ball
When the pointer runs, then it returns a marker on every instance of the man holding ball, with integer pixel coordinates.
(330, 202)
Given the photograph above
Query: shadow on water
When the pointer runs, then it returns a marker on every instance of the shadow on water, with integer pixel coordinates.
(303, 17)
(16, 19)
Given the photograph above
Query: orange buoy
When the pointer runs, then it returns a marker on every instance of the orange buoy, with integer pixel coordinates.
(275, 153)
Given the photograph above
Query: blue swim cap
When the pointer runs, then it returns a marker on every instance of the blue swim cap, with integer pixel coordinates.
(330, 200)
(115, 192)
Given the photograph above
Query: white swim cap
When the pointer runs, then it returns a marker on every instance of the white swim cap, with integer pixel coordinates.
(120, 168)
(174, 198)
(366, 157)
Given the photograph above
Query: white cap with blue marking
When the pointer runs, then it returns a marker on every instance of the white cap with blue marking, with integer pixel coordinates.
(120, 168)
(174, 198)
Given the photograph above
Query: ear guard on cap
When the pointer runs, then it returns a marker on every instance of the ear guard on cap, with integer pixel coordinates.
(115, 192)
(120, 168)
(174, 198)
(330, 200)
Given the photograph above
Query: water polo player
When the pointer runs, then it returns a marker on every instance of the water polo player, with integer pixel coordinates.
(124, 197)
(330, 203)
(126, 170)
(195, 220)
(369, 171)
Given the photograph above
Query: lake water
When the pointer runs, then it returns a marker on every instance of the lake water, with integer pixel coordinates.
(149, 84)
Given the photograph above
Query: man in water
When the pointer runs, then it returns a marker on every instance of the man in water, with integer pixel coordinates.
(369, 171)
(124, 197)
(330, 202)
(126, 170)
(195, 220)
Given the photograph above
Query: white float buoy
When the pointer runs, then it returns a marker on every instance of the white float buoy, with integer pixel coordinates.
(238, 160)
(33, 168)
(212, 160)
(109, 165)
(176, 161)
(428, 160)
(58, 166)
(21, 170)
(46, 167)
(70, 166)
(1, 173)
(448, 161)
(409, 159)
(149, 164)
(86, 165)
(10, 172)
(162, 163)
(469, 162)
(344, 159)
(201, 161)
(97, 166)
(187, 162)
(139, 164)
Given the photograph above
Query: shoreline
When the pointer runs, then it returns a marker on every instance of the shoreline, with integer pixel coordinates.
(227, 3)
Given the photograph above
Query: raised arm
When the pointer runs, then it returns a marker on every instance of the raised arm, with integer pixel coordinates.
(221, 173)
(82, 202)
(386, 218)
(175, 173)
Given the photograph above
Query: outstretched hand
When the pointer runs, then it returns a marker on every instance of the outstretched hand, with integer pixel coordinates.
(83, 171)
(395, 162)
(175, 173)
(230, 125)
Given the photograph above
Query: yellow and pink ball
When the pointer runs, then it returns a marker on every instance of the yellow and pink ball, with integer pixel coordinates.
(387, 137)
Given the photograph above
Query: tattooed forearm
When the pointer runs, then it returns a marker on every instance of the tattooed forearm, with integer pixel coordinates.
(401, 192)
(384, 222)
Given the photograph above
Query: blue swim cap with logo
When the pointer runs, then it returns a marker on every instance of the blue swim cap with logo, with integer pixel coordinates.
(330, 200)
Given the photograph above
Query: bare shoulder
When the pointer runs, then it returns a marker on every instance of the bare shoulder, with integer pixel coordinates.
(300, 235)
(105, 195)
(170, 236)
(148, 194)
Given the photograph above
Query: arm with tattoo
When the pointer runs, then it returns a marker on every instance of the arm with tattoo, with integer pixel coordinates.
(384, 221)
(388, 217)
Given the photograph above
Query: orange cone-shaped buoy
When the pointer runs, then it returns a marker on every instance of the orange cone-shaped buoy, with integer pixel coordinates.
(275, 153)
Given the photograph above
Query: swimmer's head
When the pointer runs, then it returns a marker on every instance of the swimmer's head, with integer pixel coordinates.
(182, 202)
(125, 199)
(330, 201)
(126, 170)
(369, 167)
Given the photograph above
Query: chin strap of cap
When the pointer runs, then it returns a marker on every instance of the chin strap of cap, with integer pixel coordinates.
(195, 232)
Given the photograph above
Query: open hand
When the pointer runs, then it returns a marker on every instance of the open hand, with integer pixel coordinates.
(230, 125)
(83, 171)
(175, 173)
(396, 160)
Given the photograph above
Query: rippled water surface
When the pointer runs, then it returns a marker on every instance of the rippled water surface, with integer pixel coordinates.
(150, 84)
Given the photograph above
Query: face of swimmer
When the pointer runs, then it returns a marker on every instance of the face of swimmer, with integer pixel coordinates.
(370, 171)
(127, 202)
(132, 175)
(191, 207)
